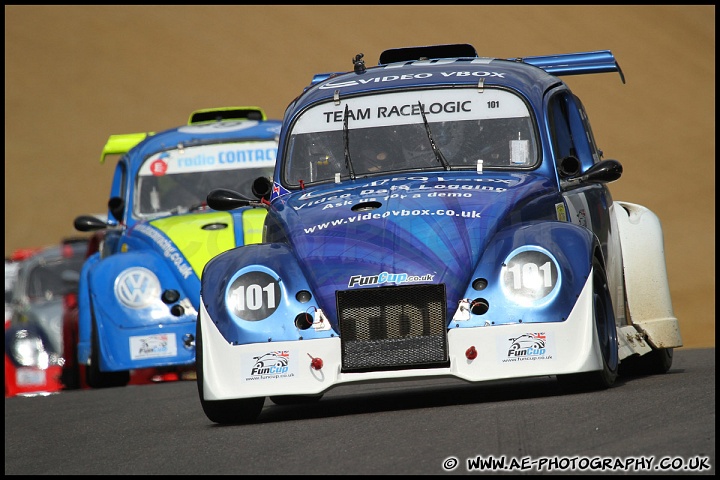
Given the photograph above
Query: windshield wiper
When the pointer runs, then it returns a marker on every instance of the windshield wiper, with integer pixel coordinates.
(346, 141)
(438, 154)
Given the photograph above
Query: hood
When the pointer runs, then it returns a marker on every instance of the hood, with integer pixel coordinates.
(189, 241)
(409, 229)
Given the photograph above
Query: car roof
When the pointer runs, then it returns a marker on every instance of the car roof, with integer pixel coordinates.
(74, 247)
(70, 248)
(445, 65)
(421, 73)
(189, 135)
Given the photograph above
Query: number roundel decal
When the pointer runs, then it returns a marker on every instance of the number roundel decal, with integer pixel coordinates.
(253, 296)
(530, 275)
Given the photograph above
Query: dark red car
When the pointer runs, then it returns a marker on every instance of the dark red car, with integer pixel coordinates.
(36, 280)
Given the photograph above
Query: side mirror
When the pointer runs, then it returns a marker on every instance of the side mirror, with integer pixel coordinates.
(605, 171)
(88, 223)
(223, 200)
(116, 205)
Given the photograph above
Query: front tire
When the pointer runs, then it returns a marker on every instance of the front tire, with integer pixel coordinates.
(607, 339)
(235, 411)
(94, 376)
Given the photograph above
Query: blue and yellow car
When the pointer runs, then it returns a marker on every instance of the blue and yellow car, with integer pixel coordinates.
(138, 295)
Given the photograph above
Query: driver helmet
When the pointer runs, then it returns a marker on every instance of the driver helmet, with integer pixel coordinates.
(374, 158)
(374, 150)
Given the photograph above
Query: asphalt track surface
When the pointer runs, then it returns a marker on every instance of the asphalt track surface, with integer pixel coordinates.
(413, 427)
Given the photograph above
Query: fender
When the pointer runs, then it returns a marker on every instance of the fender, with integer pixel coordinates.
(111, 302)
(646, 280)
(275, 275)
(563, 248)
(125, 301)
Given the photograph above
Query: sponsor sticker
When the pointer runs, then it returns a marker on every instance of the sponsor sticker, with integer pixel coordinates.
(526, 347)
(208, 158)
(561, 213)
(404, 108)
(153, 346)
(269, 365)
(26, 377)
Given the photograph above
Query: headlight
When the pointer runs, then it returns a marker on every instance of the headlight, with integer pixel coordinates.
(28, 350)
(530, 276)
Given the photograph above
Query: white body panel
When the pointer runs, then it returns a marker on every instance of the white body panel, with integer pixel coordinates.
(646, 280)
(570, 347)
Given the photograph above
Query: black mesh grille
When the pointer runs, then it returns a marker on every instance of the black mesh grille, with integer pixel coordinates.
(388, 328)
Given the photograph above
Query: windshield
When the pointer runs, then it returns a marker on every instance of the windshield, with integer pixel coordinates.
(384, 133)
(179, 180)
(54, 278)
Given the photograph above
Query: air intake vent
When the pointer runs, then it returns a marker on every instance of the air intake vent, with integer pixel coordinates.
(390, 328)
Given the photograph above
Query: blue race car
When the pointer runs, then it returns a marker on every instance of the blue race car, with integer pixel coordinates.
(139, 294)
(438, 215)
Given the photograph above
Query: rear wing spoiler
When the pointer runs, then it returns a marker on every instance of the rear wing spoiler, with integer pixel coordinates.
(208, 115)
(122, 143)
(600, 61)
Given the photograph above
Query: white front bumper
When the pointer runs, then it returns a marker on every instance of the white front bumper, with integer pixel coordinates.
(571, 346)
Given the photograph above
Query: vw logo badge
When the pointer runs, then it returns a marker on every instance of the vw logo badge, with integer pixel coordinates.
(137, 287)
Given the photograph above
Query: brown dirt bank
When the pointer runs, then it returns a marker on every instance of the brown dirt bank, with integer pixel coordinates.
(74, 75)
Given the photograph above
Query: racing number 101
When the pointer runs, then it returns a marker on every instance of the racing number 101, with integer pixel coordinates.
(251, 298)
(527, 275)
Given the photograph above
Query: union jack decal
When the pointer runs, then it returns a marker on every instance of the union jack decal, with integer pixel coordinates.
(278, 191)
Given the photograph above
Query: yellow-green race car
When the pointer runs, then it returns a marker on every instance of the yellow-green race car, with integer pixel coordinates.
(138, 295)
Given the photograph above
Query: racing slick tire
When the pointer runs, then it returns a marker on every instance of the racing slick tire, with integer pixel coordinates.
(607, 337)
(656, 362)
(96, 378)
(235, 411)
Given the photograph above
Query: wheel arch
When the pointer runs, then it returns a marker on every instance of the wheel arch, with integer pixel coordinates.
(645, 275)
